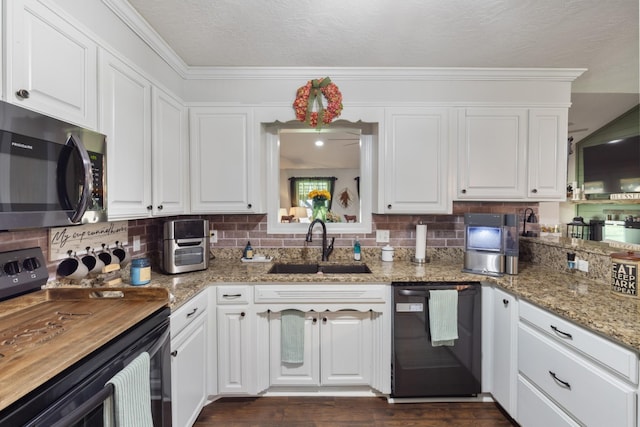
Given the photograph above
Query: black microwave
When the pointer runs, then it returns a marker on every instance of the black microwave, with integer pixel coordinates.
(52, 173)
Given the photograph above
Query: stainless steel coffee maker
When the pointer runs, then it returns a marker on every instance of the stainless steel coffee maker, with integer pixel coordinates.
(490, 244)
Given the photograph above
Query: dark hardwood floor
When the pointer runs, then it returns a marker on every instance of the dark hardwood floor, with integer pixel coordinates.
(347, 411)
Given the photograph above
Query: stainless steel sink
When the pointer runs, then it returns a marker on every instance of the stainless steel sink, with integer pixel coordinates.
(319, 269)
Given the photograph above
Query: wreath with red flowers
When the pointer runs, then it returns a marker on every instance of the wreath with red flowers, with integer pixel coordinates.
(311, 94)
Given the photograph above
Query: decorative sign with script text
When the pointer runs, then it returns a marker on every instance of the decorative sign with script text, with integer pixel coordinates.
(78, 237)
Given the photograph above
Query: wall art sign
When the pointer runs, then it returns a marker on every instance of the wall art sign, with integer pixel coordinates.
(78, 237)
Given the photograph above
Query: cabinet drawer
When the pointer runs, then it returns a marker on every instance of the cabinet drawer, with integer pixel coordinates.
(233, 294)
(534, 409)
(186, 314)
(587, 392)
(621, 360)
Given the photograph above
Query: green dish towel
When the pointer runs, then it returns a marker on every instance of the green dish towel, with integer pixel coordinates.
(443, 316)
(132, 395)
(292, 336)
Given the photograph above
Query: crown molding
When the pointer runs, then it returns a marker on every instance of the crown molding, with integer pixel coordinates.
(387, 73)
(127, 14)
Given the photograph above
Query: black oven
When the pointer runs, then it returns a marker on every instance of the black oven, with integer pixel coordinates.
(52, 173)
(76, 396)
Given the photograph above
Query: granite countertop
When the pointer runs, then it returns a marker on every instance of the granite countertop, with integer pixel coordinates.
(586, 302)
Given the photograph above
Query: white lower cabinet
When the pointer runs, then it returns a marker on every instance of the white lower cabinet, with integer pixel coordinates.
(235, 340)
(345, 348)
(188, 361)
(337, 350)
(347, 337)
(306, 372)
(504, 370)
(559, 374)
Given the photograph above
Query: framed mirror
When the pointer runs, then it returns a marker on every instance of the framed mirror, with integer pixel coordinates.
(337, 160)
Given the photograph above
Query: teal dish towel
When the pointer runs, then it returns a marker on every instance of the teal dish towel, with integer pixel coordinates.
(292, 336)
(443, 316)
(130, 405)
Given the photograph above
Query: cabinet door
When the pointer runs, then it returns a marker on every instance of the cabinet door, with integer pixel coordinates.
(233, 349)
(170, 155)
(188, 372)
(345, 348)
(126, 120)
(416, 159)
(305, 373)
(223, 169)
(547, 154)
(504, 362)
(52, 66)
(492, 153)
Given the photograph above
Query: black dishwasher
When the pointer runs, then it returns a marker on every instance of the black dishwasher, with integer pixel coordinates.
(422, 369)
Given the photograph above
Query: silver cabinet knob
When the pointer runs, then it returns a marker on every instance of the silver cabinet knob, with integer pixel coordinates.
(22, 93)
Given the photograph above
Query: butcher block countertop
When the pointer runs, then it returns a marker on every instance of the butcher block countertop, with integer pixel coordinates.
(586, 302)
(47, 331)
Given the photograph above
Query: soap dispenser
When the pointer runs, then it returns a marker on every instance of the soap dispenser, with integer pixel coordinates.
(248, 251)
(356, 251)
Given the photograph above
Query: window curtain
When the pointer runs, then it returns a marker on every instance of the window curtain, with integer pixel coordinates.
(299, 188)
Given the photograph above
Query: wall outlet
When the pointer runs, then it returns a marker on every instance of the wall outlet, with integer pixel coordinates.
(382, 236)
(583, 265)
(136, 243)
(213, 236)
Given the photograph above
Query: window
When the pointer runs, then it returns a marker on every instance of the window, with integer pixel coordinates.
(301, 186)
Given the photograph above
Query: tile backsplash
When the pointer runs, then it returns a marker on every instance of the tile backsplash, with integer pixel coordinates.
(444, 231)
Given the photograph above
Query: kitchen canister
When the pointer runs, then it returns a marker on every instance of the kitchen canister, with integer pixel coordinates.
(387, 253)
(140, 271)
(624, 273)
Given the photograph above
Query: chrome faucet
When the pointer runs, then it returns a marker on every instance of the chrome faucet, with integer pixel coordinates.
(326, 250)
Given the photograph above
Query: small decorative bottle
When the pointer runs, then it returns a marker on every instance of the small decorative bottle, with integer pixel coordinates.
(356, 250)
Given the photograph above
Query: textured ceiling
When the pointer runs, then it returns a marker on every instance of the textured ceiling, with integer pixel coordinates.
(601, 36)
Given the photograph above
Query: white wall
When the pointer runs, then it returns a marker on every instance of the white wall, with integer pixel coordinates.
(384, 87)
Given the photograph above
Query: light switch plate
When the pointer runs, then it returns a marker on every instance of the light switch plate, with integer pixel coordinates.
(382, 236)
(136, 243)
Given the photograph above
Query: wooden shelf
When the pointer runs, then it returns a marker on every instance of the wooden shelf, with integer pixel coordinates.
(605, 202)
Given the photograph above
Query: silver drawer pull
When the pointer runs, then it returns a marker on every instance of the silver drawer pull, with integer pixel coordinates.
(192, 312)
(561, 333)
(559, 381)
(231, 295)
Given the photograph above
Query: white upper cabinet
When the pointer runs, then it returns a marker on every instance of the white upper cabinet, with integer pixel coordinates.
(512, 154)
(548, 153)
(170, 146)
(492, 145)
(126, 120)
(147, 165)
(223, 160)
(415, 159)
(51, 66)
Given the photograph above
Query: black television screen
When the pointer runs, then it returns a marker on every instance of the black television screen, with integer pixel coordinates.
(613, 167)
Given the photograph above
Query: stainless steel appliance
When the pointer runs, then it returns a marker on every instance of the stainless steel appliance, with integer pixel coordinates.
(185, 246)
(420, 369)
(52, 173)
(60, 346)
(491, 244)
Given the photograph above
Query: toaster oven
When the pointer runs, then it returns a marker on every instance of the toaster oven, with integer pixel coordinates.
(185, 245)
